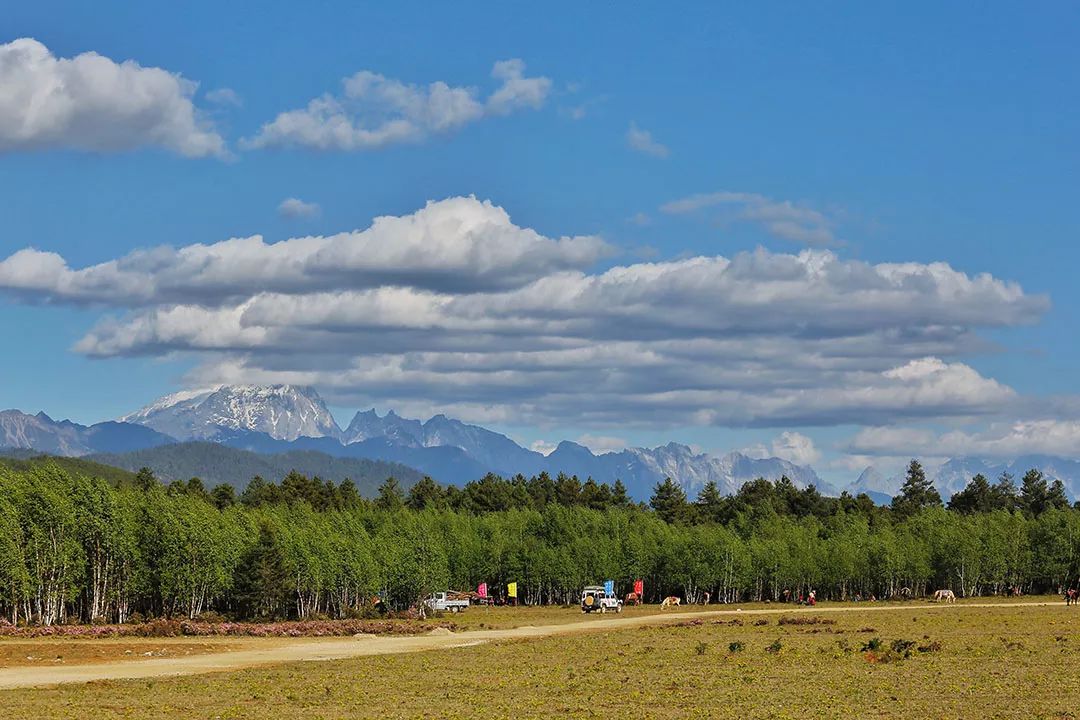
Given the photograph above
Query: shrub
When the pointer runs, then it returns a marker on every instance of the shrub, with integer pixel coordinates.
(736, 646)
(805, 620)
(775, 647)
(701, 648)
(872, 645)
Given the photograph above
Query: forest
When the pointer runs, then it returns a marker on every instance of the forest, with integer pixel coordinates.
(77, 548)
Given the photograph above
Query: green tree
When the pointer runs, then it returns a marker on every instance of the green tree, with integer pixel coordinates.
(390, 496)
(976, 497)
(669, 501)
(262, 588)
(424, 494)
(916, 493)
(1034, 493)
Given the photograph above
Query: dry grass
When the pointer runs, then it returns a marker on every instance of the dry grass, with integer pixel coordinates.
(961, 663)
(56, 651)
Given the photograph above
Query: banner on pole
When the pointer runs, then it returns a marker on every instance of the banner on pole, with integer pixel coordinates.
(481, 590)
(511, 590)
(609, 587)
(639, 588)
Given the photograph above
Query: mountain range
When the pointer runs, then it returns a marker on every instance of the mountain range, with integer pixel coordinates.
(293, 425)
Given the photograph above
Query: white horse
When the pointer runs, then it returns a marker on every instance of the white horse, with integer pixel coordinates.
(670, 601)
(947, 595)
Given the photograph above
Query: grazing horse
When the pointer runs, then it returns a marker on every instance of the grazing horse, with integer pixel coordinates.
(632, 599)
(670, 601)
(1072, 596)
(947, 595)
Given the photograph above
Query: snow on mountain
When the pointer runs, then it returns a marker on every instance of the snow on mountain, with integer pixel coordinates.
(953, 475)
(368, 425)
(284, 412)
(639, 468)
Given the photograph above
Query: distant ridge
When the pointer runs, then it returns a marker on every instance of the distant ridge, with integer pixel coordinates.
(278, 419)
(215, 464)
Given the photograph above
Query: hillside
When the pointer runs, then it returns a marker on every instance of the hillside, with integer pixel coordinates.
(26, 459)
(215, 464)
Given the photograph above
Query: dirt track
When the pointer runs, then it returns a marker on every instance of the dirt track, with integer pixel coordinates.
(308, 649)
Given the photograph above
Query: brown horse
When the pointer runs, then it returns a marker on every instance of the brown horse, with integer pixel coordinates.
(632, 599)
(1072, 596)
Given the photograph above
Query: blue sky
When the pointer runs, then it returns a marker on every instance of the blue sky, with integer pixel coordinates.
(916, 134)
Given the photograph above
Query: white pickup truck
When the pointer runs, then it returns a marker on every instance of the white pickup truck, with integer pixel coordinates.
(442, 602)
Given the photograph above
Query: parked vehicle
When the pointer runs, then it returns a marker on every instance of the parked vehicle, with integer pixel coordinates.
(442, 602)
(595, 598)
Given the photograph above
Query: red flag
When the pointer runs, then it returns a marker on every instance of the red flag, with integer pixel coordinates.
(481, 590)
(639, 587)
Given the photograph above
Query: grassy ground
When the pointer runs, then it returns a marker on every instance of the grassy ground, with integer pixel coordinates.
(976, 662)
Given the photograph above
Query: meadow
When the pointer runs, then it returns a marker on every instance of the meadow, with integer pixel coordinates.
(907, 661)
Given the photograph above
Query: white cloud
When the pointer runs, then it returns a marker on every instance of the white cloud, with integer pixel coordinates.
(454, 308)
(374, 111)
(1050, 436)
(225, 96)
(642, 141)
(90, 102)
(458, 244)
(795, 447)
(781, 218)
(297, 208)
(543, 447)
(516, 91)
(640, 219)
(601, 444)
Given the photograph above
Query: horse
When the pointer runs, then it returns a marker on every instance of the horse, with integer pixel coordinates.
(632, 599)
(1072, 596)
(670, 601)
(947, 595)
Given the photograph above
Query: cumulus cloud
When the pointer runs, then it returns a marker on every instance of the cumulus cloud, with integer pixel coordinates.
(225, 96)
(642, 141)
(90, 102)
(454, 308)
(601, 444)
(294, 208)
(781, 218)
(543, 447)
(1051, 436)
(795, 447)
(375, 111)
(458, 244)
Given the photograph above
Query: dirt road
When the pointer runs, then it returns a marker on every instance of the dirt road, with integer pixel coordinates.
(309, 649)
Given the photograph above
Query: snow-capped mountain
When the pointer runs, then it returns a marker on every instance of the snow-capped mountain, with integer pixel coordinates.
(953, 475)
(639, 468)
(40, 432)
(284, 412)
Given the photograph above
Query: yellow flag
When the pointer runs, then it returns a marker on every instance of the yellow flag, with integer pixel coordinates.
(511, 590)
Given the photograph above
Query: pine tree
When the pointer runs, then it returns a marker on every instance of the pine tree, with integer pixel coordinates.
(262, 590)
(1034, 493)
(916, 493)
(390, 496)
(977, 497)
(619, 497)
(710, 502)
(424, 494)
(145, 479)
(669, 501)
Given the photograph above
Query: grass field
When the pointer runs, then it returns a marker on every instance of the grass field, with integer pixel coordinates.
(1008, 662)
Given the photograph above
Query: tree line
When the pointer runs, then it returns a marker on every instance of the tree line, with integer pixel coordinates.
(77, 548)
